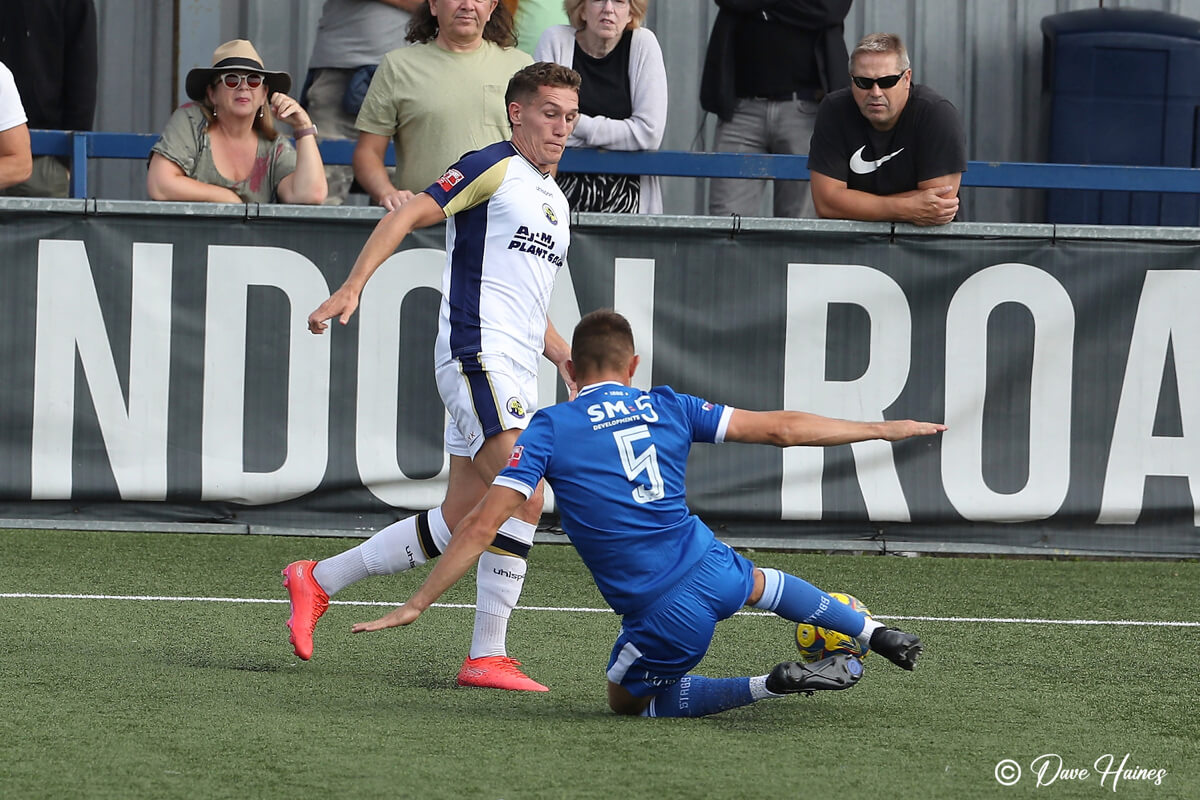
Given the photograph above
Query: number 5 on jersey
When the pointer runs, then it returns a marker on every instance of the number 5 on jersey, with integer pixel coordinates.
(636, 464)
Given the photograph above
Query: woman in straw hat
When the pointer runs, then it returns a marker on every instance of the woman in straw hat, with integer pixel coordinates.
(224, 148)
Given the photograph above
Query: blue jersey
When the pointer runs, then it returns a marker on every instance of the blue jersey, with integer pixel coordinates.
(616, 458)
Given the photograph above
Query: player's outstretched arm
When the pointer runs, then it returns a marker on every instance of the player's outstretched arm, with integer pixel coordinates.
(420, 212)
(471, 537)
(793, 428)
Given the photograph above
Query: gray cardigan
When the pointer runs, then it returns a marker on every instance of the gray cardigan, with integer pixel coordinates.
(648, 84)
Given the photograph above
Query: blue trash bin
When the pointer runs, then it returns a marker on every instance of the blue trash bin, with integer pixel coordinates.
(1123, 87)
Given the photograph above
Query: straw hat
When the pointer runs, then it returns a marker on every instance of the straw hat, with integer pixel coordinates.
(232, 56)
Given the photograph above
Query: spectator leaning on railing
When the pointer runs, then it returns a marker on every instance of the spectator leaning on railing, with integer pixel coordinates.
(16, 160)
(223, 148)
(622, 101)
(50, 46)
(353, 36)
(886, 149)
(438, 99)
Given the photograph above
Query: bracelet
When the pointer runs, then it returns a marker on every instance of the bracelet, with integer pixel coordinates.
(300, 133)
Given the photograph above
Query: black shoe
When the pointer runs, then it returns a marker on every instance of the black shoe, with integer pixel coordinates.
(896, 646)
(839, 671)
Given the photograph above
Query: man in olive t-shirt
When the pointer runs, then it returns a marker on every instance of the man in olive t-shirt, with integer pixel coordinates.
(438, 99)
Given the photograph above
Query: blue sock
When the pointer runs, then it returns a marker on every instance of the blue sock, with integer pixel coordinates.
(697, 696)
(798, 600)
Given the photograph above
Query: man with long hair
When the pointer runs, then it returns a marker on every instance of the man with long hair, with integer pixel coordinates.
(437, 99)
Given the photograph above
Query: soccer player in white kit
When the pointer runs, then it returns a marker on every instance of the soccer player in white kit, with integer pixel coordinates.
(507, 235)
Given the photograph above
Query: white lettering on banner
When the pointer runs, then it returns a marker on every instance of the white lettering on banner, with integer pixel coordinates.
(1166, 317)
(132, 411)
(376, 421)
(231, 271)
(633, 296)
(811, 288)
(963, 456)
(70, 320)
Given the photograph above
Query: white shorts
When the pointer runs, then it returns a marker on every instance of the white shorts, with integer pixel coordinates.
(484, 396)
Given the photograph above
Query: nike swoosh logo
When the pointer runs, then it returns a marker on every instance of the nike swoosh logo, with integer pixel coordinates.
(860, 166)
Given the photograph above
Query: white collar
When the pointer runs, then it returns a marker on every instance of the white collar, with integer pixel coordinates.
(591, 387)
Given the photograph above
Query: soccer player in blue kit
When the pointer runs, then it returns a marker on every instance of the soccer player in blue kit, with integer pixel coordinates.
(616, 457)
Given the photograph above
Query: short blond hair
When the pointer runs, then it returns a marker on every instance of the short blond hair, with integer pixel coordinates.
(882, 43)
(574, 9)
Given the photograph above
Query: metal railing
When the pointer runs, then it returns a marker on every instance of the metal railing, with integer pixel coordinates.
(80, 147)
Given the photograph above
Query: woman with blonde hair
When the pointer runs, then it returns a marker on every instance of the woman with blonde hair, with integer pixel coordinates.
(622, 101)
(223, 148)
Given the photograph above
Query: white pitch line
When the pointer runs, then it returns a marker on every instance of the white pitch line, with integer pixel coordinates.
(259, 600)
(565, 609)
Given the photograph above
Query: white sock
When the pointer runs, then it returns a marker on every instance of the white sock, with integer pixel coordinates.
(394, 549)
(759, 690)
(438, 529)
(498, 583)
(869, 627)
(338, 572)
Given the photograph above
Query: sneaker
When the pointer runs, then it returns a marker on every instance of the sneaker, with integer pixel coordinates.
(497, 672)
(896, 646)
(840, 671)
(309, 602)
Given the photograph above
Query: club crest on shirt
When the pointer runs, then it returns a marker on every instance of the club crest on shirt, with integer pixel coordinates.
(515, 458)
(515, 407)
(549, 212)
(450, 179)
(707, 406)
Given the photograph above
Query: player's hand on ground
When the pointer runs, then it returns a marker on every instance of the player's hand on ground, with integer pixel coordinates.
(936, 206)
(895, 430)
(341, 304)
(404, 615)
(394, 200)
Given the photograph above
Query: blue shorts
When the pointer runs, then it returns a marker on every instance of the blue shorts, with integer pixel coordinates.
(660, 645)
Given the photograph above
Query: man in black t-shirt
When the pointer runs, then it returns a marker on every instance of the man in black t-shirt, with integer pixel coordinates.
(885, 149)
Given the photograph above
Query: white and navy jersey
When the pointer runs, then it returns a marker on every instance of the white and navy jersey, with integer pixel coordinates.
(616, 458)
(507, 234)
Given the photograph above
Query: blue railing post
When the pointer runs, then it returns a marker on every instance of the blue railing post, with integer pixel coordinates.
(79, 163)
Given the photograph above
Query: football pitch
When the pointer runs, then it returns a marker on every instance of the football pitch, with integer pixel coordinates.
(138, 665)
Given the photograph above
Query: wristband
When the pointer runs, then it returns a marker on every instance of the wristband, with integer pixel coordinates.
(300, 133)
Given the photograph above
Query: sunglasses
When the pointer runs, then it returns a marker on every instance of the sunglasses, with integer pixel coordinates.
(233, 80)
(886, 82)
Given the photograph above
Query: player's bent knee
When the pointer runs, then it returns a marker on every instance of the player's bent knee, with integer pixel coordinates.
(760, 582)
(622, 702)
